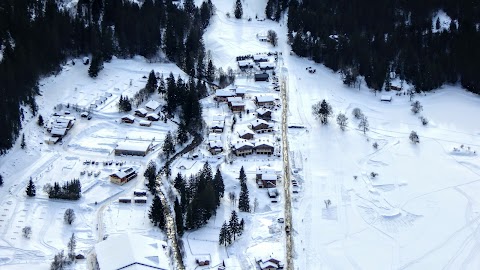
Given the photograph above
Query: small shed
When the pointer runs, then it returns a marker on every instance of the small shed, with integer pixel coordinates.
(386, 98)
(141, 112)
(140, 199)
(139, 193)
(153, 117)
(145, 123)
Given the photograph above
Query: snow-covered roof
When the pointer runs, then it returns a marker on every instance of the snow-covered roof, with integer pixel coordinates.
(262, 111)
(267, 65)
(261, 142)
(240, 91)
(133, 146)
(237, 103)
(259, 57)
(224, 93)
(269, 176)
(265, 99)
(244, 132)
(258, 122)
(129, 117)
(244, 63)
(386, 98)
(235, 99)
(60, 125)
(242, 143)
(153, 115)
(219, 124)
(139, 191)
(265, 169)
(215, 144)
(152, 105)
(141, 110)
(122, 172)
(132, 251)
(145, 122)
(265, 265)
(59, 131)
(214, 137)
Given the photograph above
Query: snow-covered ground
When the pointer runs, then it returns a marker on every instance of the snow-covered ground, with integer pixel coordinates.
(419, 212)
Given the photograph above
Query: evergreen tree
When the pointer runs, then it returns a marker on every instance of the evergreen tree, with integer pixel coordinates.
(241, 227)
(243, 200)
(322, 111)
(238, 9)
(23, 144)
(107, 43)
(152, 82)
(1, 180)
(72, 244)
(96, 65)
(189, 6)
(242, 176)
(151, 175)
(161, 86)
(40, 120)
(233, 225)
(224, 235)
(171, 98)
(31, 191)
(157, 213)
(59, 261)
(168, 147)
(179, 218)
(182, 133)
(210, 71)
(219, 186)
(181, 185)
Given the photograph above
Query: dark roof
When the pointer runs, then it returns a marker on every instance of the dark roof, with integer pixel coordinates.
(261, 76)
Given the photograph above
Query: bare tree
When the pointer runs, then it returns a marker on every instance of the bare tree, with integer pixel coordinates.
(414, 137)
(272, 38)
(363, 125)
(72, 244)
(375, 145)
(27, 232)
(424, 120)
(69, 216)
(357, 113)
(327, 203)
(416, 107)
(342, 121)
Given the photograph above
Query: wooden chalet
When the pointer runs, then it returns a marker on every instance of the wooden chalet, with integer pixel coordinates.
(263, 147)
(261, 126)
(265, 114)
(262, 101)
(222, 95)
(129, 119)
(123, 175)
(153, 117)
(242, 148)
(141, 112)
(246, 134)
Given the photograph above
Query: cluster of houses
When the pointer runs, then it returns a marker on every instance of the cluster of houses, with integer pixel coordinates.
(59, 127)
(261, 61)
(147, 114)
(233, 97)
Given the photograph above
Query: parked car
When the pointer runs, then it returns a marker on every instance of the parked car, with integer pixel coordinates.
(281, 220)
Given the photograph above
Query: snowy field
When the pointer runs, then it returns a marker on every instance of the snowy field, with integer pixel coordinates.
(420, 212)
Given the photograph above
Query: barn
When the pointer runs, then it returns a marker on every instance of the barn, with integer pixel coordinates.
(133, 148)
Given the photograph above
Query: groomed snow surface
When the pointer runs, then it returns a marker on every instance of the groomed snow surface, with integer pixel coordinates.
(420, 212)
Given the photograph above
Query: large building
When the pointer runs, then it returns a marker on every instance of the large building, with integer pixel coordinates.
(123, 175)
(132, 252)
(130, 148)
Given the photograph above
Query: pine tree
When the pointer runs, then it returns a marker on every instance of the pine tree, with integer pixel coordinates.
(40, 120)
(242, 176)
(1, 180)
(168, 147)
(363, 125)
(161, 86)
(219, 186)
(222, 239)
(238, 9)
(182, 133)
(241, 227)
(243, 200)
(23, 144)
(152, 82)
(179, 218)
(95, 65)
(31, 191)
(210, 71)
(322, 110)
(151, 175)
(156, 213)
(72, 243)
(233, 225)
(189, 6)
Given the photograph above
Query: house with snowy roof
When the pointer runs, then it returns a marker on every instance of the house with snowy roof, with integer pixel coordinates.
(131, 252)
(267, 100)
(242, 148)
(265, 114)
(142, 112)
(246, 134)
(132, 148)
(129, 119)
(152, 105)
(123, 175)
(261, 126)
(152, 117)
(222, 95)
(263, 147)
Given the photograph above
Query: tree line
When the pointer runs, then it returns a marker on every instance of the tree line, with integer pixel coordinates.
(38, 36)
(395, 37)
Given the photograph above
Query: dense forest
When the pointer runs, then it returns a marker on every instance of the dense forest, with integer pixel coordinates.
(36, 37)
(376, 39)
